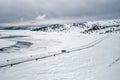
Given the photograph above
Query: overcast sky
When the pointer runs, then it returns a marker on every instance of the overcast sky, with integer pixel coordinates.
(25, 10)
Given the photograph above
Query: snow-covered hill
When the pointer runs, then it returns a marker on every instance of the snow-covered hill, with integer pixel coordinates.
(101, 27)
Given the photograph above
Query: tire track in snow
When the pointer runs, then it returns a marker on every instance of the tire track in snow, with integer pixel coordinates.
(115, 61)
(36, 57)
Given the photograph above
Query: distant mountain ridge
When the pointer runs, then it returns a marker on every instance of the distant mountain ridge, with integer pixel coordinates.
(106, 26)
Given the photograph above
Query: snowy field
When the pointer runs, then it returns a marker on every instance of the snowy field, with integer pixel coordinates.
(36, 55)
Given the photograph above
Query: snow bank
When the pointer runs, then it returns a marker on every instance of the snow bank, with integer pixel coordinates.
(6, 43)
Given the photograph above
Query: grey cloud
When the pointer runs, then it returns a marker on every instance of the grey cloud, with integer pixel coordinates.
(14, 10)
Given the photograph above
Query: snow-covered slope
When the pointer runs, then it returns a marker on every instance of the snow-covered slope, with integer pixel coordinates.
(102, 27)
(90, 64)
(75, 51)
(5, 43)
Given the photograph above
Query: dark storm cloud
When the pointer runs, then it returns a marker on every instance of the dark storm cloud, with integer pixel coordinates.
(17, 10)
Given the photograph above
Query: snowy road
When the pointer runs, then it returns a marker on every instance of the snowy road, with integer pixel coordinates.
(36, 57)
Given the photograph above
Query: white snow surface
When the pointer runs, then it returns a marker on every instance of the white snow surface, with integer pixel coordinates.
(6, 43)
(44, 43)
(91, 57)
